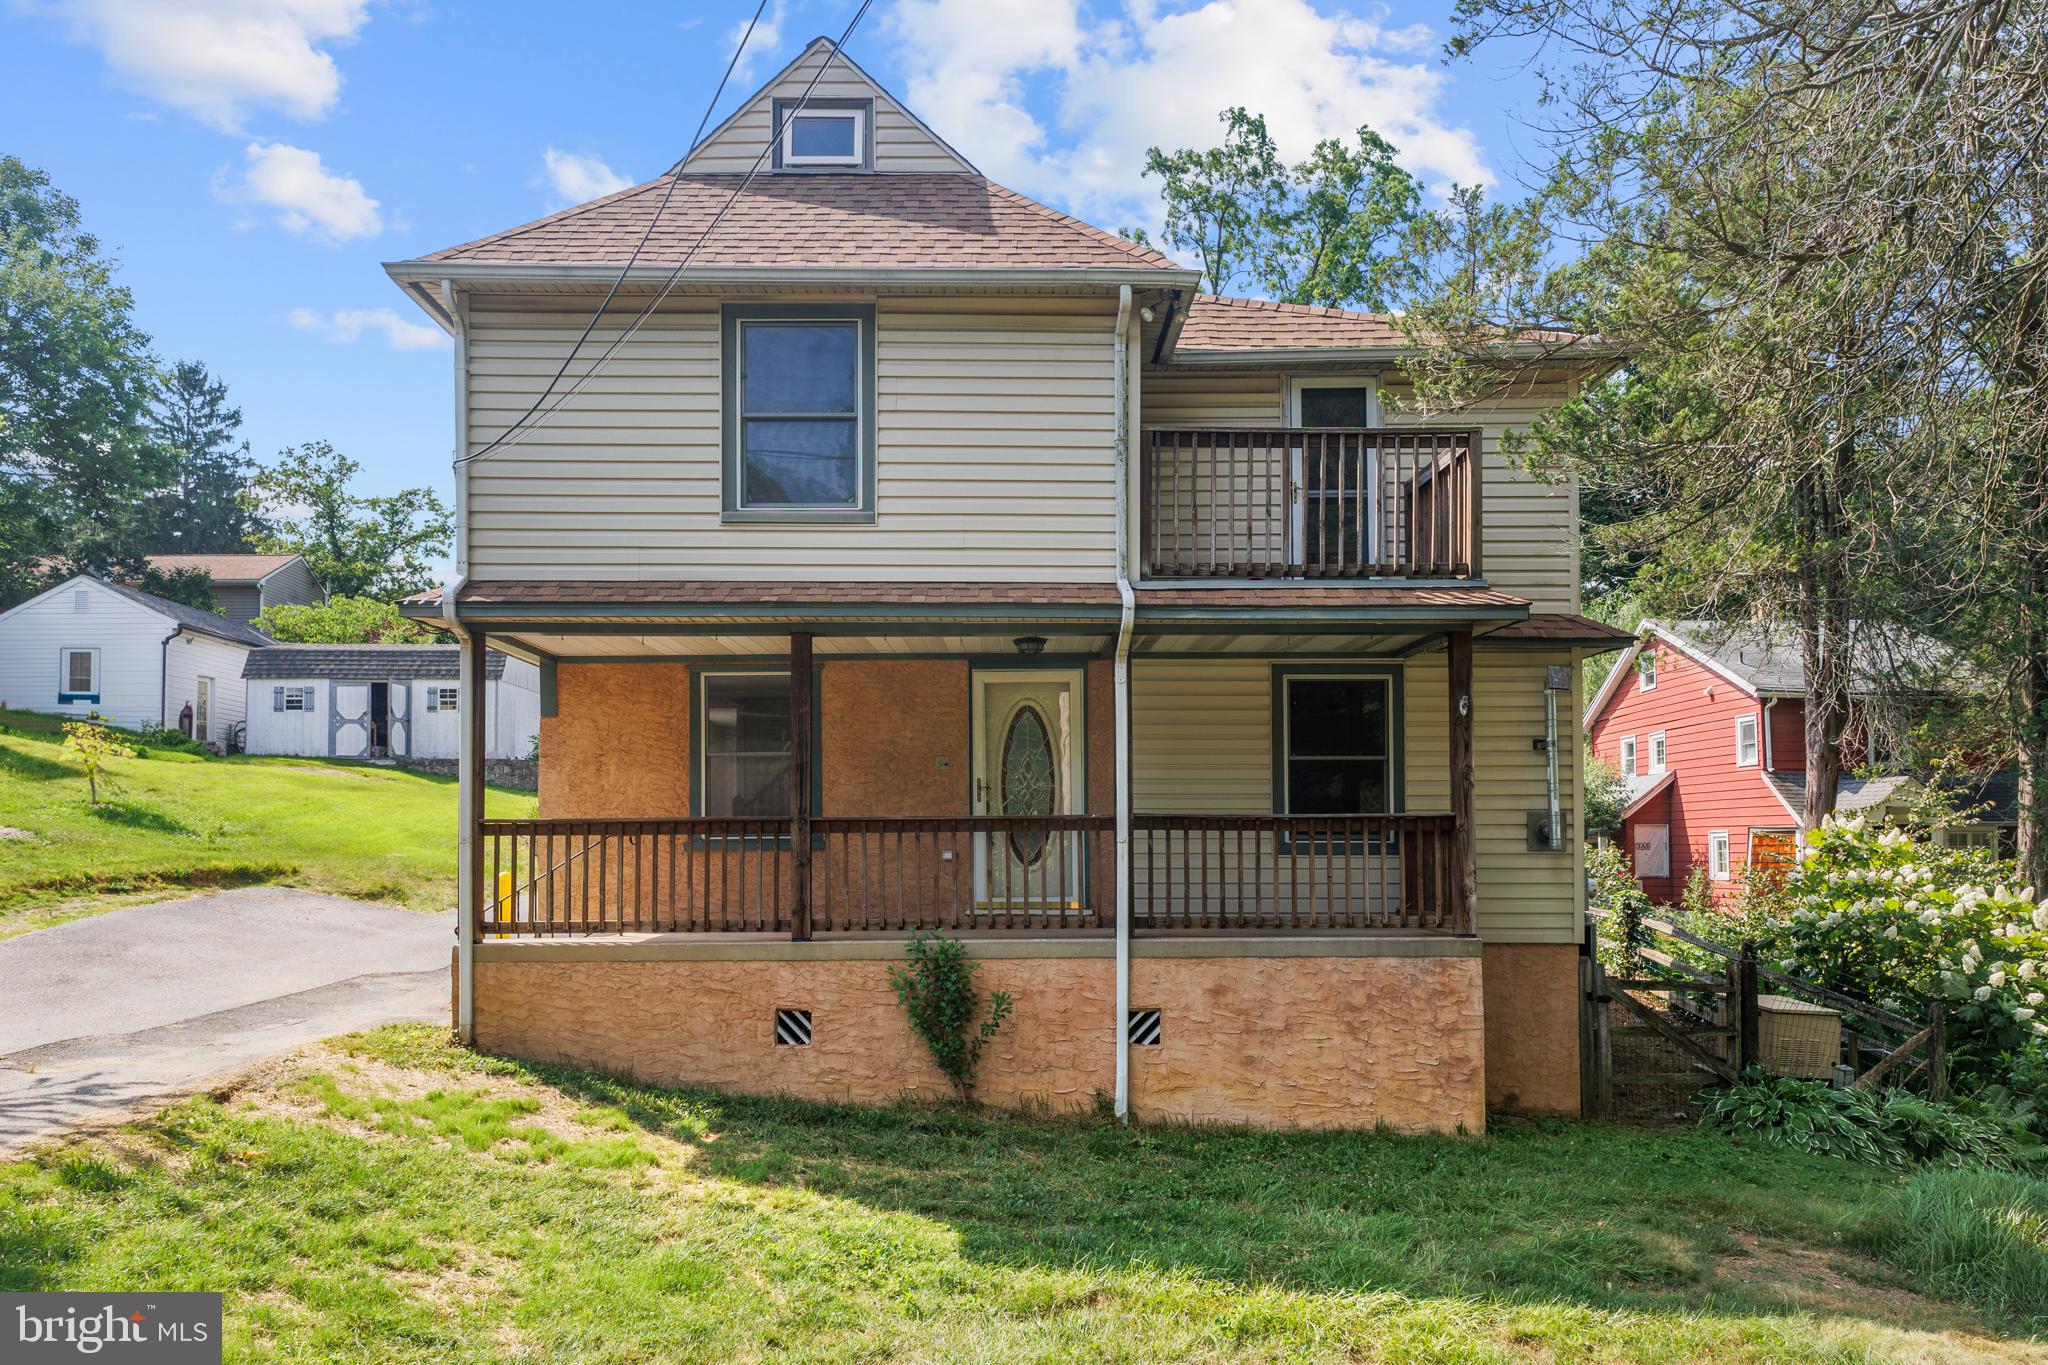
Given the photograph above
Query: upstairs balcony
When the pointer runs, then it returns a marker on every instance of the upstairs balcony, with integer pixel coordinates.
(1309, 503)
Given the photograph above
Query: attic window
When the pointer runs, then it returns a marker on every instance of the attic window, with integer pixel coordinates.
(823, 135)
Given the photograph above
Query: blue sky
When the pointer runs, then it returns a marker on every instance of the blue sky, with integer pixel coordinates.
(251, 162)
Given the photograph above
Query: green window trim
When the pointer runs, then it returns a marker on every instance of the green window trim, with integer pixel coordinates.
(1396, 724)
(780, 668)
(731, 318)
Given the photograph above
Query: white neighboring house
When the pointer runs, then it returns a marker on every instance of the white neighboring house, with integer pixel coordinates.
(379, 701)
(88, 645)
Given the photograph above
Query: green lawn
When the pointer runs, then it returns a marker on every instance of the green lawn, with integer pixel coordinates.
(179, 821)
(396, 1199)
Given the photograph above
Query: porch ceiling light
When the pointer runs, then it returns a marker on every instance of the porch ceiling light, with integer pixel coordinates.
(1029, 644)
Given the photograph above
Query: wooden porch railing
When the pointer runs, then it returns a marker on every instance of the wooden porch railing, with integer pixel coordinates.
(1030, 873)
(1295, 872)
(1309, 502)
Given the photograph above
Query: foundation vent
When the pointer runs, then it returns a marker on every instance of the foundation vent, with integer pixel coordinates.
(792, 1028)
(1144, 1028)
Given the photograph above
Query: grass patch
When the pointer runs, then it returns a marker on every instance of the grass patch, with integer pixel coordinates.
(397, 1199)
(178, 821)
(1980, 1237)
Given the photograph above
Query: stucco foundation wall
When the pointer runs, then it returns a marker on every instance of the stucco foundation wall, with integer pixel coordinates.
(1333, 1042)
(1297, 1042)
(1532, 1027)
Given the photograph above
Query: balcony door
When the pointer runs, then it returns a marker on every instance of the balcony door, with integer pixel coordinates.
(1333, 508)
(1027, 760)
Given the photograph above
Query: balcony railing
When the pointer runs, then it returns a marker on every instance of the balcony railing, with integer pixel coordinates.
(1310, 502)
(1054, 873)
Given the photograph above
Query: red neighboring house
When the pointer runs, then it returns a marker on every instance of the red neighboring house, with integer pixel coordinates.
(1707, 724)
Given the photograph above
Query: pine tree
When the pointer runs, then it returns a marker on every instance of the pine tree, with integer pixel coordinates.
(209, 508)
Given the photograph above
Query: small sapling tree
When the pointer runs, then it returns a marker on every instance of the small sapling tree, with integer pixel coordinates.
(92, 744)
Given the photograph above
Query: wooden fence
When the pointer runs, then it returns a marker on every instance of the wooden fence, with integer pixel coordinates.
(1709, 1020)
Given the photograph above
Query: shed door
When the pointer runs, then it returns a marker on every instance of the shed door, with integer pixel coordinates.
(1653, 851)
(399, 719)
(350, 721)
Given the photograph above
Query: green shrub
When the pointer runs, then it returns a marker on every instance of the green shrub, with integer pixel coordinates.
(1977, 1236)
(1806, 1116)
(1891, 1128)
(936, 986)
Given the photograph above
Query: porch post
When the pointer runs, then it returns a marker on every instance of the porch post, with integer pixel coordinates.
(800, 760)
(1465, 869)
(470, 793)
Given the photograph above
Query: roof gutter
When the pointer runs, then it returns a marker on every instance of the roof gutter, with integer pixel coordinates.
(1309, 355)
(431, 273)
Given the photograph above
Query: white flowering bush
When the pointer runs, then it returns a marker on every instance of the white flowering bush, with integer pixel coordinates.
(1883, 913)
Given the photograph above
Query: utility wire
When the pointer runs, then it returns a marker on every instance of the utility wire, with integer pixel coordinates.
(527, 421)
(624, 270)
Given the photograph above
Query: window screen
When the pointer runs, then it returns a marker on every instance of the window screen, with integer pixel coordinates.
(746, 745)
(77, 671)
(799, 419)
(1338, 737)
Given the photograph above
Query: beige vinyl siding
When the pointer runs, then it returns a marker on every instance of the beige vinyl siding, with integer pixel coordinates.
(1530, 542)
(1202, 744)
(995, 435)
(901, 146)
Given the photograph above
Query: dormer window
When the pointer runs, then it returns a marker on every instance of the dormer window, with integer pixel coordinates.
(822, 135)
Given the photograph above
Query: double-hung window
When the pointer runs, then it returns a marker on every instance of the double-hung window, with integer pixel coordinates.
(1720, 865)
(78, 676)
(1646, 672)
(1658, 755)
(799, 412)
(1745, 741)
(1628, 755)
(1336, 744)
(744, 750)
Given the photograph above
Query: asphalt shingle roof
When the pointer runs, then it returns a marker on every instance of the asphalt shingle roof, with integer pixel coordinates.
(1769, 659)
(364, 661)
(224, 568)
(1217, 323)
(191, 618)
(819, 221)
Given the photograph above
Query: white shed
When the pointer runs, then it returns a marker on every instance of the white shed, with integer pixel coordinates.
(88, 646)
(378, 701)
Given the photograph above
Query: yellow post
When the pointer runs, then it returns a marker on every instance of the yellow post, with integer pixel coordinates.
(504, 915)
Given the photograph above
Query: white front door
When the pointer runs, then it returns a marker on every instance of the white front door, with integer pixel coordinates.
(1028, 761)
(202, 711)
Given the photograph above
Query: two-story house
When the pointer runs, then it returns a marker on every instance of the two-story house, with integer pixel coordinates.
(900, 553)
(1706, 724)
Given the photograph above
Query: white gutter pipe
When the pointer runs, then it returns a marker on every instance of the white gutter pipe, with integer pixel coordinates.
(467, 796)
(1770, 762)
(1121, 692)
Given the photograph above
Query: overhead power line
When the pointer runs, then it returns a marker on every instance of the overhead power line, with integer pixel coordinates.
(534, 417)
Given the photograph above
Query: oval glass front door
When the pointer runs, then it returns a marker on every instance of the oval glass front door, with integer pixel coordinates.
(1028, 779)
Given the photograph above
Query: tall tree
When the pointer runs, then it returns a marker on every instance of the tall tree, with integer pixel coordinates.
(209, 507)
(1913, 215)
(77, 459)
(1324, 231)
(357, 545)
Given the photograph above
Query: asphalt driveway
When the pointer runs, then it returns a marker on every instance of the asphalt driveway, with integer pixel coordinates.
(102, 1014)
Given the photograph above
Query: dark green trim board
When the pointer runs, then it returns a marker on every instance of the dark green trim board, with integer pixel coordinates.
(547, 687)
(1397, 718)
(731, 316)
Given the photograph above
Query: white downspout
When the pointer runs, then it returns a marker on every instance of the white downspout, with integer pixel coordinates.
(1770, 761)
(1121, 692)
(467, 797)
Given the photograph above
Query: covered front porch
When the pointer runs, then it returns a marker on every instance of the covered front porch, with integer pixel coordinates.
(801, 772)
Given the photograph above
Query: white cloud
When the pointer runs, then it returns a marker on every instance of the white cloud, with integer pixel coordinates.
(219, 59)
(1106, 91)
(308, 199)
(577, 179)
(348, 324)
(766, 38)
